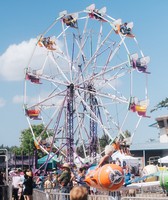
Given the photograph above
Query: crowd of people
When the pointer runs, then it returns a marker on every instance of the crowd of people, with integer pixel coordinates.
(62, 179)
(22, 184)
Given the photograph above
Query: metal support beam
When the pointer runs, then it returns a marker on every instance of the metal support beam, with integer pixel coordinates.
(70, 132)
(93, 123)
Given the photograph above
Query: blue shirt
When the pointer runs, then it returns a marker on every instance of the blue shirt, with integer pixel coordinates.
(127, 177)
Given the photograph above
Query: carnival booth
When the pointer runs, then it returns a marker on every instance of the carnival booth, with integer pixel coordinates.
(163, 160)
(51, 161)
(125, 159)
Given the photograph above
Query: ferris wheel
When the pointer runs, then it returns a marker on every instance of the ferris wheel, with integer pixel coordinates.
(86, 78)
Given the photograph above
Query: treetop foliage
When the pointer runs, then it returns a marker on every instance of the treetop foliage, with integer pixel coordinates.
(160, 105)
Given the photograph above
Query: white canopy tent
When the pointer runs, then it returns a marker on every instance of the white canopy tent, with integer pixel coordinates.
(78, 160)
(130, 160)
(163, 160)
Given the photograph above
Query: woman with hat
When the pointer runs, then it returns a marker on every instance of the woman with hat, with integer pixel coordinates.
(28, 185)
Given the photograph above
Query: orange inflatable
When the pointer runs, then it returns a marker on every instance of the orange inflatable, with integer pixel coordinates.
(108, 177)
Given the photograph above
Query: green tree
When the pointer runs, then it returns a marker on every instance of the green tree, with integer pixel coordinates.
(4, 147)
(126, 134)
(104, 140)
(13, 149)
(79, 151)
(16, 150)
(160, 105)
(27, 141)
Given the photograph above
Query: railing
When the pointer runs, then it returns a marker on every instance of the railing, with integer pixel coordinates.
(41, 195)
(55, 195)
(144, 198)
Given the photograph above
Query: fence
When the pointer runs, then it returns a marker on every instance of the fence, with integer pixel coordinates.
(41, 195)
(144, 198)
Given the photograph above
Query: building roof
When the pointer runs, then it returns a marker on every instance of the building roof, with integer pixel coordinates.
(149, 146)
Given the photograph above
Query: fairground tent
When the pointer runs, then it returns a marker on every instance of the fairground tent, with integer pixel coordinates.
(51, 162)
(78, 161)
(163, 160)
(130, 160)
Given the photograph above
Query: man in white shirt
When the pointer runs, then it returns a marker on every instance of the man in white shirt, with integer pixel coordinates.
(16, 179)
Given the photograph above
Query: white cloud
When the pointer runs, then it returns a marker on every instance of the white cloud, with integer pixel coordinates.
(15, 59)
(17, 99)
(2, 102)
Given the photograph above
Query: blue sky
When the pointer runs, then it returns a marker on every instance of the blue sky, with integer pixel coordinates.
(22, 21)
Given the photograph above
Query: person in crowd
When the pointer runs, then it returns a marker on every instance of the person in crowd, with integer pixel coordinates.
(81, 177)
(20, 191)
(127, 175)
(65, 178)
(28, 185)
(132, 192)
(39, 182)
(48, 184)
(79, 193)
(16, 179)
(118, 162)
(55, 183)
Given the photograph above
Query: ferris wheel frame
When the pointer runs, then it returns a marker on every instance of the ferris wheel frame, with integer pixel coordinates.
(82, 71)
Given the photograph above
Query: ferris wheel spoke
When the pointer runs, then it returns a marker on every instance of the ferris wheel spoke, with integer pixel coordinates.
(43, 101)
(115, 51)
(121, 99)
(93, 56)
(138, 122)
(59, 69)
(95, 117)
(102, 73)
(67, 51)
(110, 119)
(81, 52)
(98, 45)
(51, 26)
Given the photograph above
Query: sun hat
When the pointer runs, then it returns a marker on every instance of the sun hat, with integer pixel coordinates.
(66, 165)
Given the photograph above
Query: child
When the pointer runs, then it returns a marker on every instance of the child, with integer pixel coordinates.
(20, 191)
